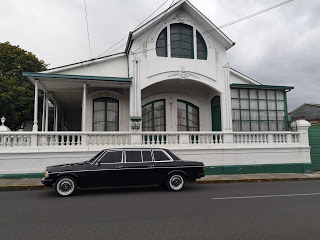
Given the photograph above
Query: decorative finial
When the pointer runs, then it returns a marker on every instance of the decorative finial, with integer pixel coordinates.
(3, 119)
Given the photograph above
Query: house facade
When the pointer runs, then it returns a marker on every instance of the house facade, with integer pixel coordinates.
(172, 87)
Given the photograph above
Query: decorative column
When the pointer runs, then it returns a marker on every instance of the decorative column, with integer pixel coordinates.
(47, 113)
(56, 117)
(226, 106)
(302, 128)
(84, 107)
(35, 115)
(43, 112)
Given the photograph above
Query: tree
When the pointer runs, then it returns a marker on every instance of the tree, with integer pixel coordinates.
(16, 92)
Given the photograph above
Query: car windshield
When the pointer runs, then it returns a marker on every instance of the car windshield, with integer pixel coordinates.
(95, 157)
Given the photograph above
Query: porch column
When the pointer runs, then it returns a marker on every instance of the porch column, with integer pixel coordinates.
(84, 103)
(56, 117)
(47, 113)
(43, 112)
(35, 115)
(226, 101)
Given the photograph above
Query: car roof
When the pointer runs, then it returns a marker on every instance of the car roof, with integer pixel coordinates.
(117, 149)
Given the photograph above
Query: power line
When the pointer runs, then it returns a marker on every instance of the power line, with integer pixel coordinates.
(230, 23)
(165, 13)
(133, 30)
(85, 8)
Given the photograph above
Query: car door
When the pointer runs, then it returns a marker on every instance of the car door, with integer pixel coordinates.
(107, 171)
(163, 164)
(137, 171)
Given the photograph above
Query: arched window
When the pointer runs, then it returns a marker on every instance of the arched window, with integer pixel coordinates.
(162, 44)
(153, 116)
(188, 116)
(181, 40)
(105, 114)
(201, 47)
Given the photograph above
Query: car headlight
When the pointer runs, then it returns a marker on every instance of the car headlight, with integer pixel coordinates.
(46, 174)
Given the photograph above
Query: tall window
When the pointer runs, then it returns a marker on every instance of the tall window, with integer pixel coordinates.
(162, 44)
(181, 40)
(105, 114)
(188, 116)
(258, 110)
(201, 47)
(153, 116)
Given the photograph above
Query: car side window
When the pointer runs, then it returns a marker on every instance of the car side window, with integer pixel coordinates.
(133, 156)
(160, 156)
(112, 157)
(147, 156)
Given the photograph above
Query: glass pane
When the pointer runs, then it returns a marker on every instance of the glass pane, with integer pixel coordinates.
(262, 94)
(234, 93)
(246, 126)
(235, 104)
(112, 116)
(244, 93)
(281, 116)
(236, 126)
(254, 126)
(112, 106)
(245, 115)
(98, 116)
(147, 118)
(263, 126)
(281, 126)
(272, 115)
(273, 125)
(162, 43)
(280, 105)
(244, 104)
(160, 156)
(280, 95)
(133, 156)
(253, 94)
(263, 115)
(254, 115)
(235, 115)
(253, 104)
(112, 157)
(182, 116)
(262, 104)
(99, 126)
(201, 47)
(146, 156)
(271, 105)
(112, 127)
(99, 106)
(271, 94)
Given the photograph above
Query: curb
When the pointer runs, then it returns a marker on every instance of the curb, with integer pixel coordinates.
(213, 181)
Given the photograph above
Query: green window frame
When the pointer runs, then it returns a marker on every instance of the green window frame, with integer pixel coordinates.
(191, 121)
(202, 52)
(105, 115)
(152, 114)
(259, 109)
(162, 44)
(181, 41)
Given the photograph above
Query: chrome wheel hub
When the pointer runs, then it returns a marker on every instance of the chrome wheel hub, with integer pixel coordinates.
(176, 182)
(65, 186)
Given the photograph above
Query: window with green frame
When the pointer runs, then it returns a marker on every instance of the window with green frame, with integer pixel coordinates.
(105, 114)
(259, 109)
(181, 41)
(161, 44)
(201, 47)
(188, 116)
(154, 116)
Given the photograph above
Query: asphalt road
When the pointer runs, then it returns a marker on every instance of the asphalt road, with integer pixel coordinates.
(271, 210)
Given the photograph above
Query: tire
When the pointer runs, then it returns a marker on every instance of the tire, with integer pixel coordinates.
(66, 186)
(175, 182)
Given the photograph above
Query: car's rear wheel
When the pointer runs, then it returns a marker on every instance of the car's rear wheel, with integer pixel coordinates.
(66, 186)
(175, 182)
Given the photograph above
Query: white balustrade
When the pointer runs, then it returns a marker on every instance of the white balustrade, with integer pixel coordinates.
(108, 139)
(205, 138)
(159, 138)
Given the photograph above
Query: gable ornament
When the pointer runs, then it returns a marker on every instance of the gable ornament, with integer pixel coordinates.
(183, 74)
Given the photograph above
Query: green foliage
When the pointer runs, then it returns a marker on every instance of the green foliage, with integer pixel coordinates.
(16, 92)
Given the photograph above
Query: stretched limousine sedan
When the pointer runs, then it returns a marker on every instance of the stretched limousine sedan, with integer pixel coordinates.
(124, 167)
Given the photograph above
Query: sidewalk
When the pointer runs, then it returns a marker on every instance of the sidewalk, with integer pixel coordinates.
(35, 183)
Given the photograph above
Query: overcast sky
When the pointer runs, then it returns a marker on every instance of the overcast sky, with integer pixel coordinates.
(279, 47)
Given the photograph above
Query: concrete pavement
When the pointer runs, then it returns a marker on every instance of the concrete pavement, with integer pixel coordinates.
(35, 183)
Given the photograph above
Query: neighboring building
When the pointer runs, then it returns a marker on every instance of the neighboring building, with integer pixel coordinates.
(307, 111)
(173, 88)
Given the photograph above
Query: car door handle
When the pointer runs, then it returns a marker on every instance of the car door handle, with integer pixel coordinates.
(118, 167)
(149, 166)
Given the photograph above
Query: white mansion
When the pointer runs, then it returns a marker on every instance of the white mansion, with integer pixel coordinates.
(171, 88)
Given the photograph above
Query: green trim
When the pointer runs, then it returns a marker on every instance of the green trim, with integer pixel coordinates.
(105, 100)
(135, 118)
(22, 175)
(45, 75)
(286, 111)
(236, 85)
(152, 112)
(263, 168)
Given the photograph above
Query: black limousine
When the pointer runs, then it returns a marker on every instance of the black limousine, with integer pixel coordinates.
(124, 167)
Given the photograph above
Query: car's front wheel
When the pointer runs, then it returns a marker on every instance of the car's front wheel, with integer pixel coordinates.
(175, 182)
(66, 186)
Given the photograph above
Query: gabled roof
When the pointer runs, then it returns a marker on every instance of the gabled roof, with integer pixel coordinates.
(191, 10)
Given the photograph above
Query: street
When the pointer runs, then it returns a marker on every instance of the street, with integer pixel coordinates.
(269, 210)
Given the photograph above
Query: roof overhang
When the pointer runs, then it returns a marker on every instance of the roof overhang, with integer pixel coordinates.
(273, 87)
